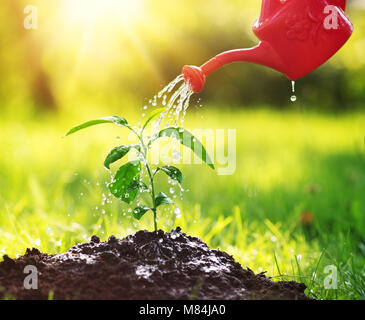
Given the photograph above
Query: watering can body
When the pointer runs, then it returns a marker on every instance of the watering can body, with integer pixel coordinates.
(297, 36)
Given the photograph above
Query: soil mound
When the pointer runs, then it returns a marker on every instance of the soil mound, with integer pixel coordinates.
(147, 265)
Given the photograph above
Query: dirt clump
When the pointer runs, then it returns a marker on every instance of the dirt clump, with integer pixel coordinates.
(146, 265)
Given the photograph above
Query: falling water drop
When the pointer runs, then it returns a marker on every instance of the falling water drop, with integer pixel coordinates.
(293, 98)
(177, 212)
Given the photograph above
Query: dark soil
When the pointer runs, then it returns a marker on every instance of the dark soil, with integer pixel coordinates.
(147, 265)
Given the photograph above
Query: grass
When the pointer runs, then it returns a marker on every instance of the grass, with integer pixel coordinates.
(288, 163)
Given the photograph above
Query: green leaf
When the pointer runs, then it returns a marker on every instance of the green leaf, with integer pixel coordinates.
(188, 140)
(118, 153)
(162, 199)
(119, 121)
(137, 184)
(115, 154)
(153, 115)
(139, 212)
(172, 172)
(124, 184)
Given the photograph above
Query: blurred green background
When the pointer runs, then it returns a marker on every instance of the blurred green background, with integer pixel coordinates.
(296, 201)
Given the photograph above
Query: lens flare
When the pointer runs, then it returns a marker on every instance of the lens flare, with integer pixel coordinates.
(99, 11)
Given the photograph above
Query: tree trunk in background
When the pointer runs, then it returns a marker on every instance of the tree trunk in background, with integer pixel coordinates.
(32, 48)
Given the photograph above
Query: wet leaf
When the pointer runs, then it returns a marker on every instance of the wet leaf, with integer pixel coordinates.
(188, 140)
(119, 121)
(140, 211)
(172, 172)
(137, 184)
(162, 199)
(116, 154)
(123, 185)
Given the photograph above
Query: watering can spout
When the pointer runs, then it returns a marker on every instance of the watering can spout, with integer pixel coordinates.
(296, 37)
(262, 54)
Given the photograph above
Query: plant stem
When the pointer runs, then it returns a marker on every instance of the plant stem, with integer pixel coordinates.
(145, 153)
(154, 209)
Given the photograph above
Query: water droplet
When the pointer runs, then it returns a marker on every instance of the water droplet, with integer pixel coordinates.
(293, 98)
(177, 212)
(176, 155)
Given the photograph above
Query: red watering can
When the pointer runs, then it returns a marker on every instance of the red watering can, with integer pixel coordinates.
(297, 36)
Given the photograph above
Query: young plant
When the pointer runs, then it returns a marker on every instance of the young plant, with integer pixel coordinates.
(127, 182)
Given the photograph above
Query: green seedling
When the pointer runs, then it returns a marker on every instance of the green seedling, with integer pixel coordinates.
(128, 182)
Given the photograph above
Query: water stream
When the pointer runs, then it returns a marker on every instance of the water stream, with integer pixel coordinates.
(175, 97)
